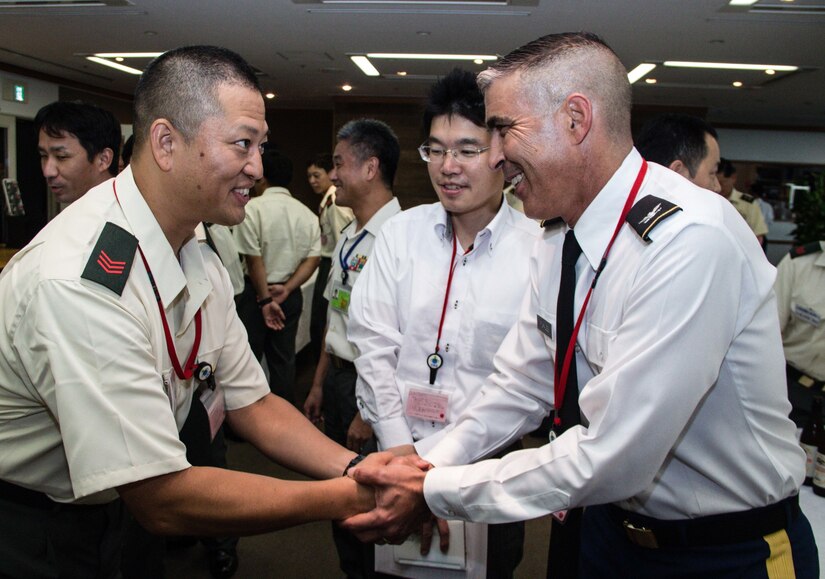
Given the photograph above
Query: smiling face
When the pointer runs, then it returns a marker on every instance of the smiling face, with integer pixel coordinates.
(223, 161)
(349, 175)
(470, 187)
(66, 166)
(528, 143)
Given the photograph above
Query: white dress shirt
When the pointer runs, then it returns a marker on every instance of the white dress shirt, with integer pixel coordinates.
(89, 399)
(335, 339)
(397, 305)
(680, 366)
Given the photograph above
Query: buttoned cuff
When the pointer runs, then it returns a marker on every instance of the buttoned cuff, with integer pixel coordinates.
(393, 432)
(442, 492)
(446, 451)
(425, 445)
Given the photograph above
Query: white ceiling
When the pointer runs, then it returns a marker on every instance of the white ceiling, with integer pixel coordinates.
(301, 47)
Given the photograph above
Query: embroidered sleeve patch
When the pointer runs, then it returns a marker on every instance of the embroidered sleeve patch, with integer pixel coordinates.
(112, 258)
(648, 212)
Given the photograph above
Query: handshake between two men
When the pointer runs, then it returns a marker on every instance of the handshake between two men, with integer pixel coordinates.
(400, 509)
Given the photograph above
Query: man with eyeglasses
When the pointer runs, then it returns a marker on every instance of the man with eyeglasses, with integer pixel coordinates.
(441, 290)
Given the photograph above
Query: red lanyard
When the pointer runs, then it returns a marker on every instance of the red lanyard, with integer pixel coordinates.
(434, 360)
(561, 373)
(186, 372)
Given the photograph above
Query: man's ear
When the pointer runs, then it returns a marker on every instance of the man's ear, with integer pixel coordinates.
(678, 166)
(371, 167)
(578, 113)
(103, 160)
(164, 139)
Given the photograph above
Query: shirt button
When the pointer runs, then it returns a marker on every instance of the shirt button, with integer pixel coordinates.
(578, 349)
(451, 512)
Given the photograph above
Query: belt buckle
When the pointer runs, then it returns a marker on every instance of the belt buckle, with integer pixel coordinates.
(641, 536)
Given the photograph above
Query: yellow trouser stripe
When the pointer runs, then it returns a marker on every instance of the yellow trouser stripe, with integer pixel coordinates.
(780, 562)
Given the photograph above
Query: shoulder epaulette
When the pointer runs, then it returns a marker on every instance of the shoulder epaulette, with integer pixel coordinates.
(648, 212)
(747, 198)
(548, 223)
(112, 258)
(808, 249)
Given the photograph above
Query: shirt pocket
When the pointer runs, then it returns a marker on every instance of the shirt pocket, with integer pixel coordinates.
(486, 332)
(597, 346)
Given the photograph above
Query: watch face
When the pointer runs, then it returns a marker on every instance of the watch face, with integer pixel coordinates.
(434, 361)
(204, 371)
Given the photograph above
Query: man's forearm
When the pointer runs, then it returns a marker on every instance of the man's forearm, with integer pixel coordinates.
(210, 501)
(257, 273)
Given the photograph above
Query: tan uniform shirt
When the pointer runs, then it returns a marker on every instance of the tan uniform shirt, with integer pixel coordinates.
(332, 218)
(800, 296)
(749, 209)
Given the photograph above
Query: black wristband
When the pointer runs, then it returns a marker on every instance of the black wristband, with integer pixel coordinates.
(263, 302)
(353, 462)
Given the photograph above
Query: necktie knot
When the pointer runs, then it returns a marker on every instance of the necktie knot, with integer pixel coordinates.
(571, 250)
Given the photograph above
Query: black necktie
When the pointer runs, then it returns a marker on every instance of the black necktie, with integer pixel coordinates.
(563, 553)
(569, 412)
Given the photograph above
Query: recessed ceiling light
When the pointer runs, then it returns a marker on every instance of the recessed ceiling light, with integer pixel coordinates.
(640, 71)
(401, 73)
(365, 65)
(346, 88)
(120, 59)
(270, 95)
(730, 65)
(651, 80)
(478, 61)
(770, 71)
(742, 2)
(115, 65)
(737, 83)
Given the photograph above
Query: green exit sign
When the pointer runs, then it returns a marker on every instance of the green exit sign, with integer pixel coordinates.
(15, 91)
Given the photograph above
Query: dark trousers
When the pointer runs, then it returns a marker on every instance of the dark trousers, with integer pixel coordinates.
(60, 541)
(318, 321)
(607, 553)
(357, 560)
(279, 348)
(250, 315)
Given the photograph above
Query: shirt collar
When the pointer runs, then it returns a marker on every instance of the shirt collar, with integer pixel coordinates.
(596, 225)
(389, 209)
(277, 191)
(493, 230)
(171, 276)
(330, 193)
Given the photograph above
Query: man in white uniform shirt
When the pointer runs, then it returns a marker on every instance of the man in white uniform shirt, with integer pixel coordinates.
(332, 218)
(117, 322)
(364, 165)
(445, 279)
(281, 242)
(680, 448)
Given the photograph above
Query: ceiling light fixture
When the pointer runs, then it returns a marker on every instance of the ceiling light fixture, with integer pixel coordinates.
(418, 56)
(115, 65)
(770, 71)
(401, 73)
(270, 95)
(651, 81)
(640, 72)
(730, 66)
(742, 2)
(128, 54)
(346, 88)
(365, 65)
(737, 83)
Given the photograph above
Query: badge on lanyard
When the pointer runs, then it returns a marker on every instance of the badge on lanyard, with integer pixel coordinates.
(340, 298)
(205, 375)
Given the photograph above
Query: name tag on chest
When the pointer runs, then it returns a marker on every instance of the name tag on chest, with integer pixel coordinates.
(427, 404)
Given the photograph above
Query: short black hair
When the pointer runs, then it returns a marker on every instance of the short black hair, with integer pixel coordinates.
(95, 128)
(726, 167)
(455, 94)
(675, 136)
(181, 85)
(321, 160)
(373, 138)
(277, 168)
(126, 155)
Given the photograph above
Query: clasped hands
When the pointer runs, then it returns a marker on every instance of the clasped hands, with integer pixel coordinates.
(400, 509)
